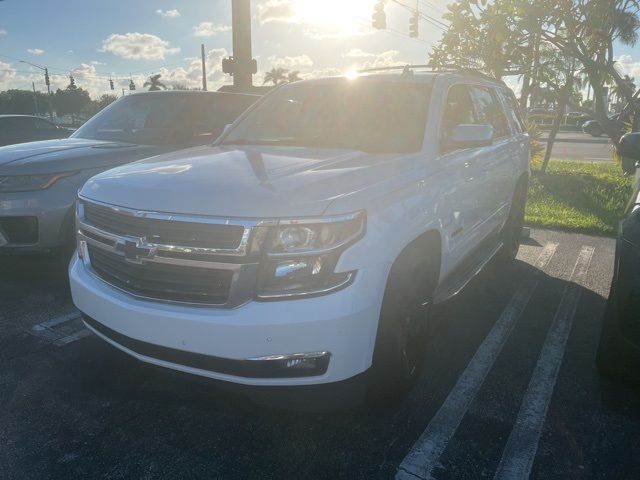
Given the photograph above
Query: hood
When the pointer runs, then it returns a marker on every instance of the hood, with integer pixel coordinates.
(253, 182)
(51, 156)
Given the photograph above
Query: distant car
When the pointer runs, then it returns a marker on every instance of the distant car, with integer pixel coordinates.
(26, 128)
(593, 128)
(619, 350)
(39, 180)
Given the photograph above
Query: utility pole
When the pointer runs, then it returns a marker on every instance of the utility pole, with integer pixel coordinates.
(35, 98)
(47, 83)
(204, 68)
(241, 65)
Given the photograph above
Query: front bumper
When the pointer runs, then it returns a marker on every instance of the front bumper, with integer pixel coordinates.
(343, 324)
(52, 209)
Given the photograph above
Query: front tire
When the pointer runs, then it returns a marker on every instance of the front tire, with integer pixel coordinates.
(402, 332)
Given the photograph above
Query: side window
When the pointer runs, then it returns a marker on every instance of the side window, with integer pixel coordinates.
(512, 110)
(24, 124)
(490, 111)
(458, 110)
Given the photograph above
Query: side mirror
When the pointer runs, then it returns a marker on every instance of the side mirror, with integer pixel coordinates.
(472, 136)
(629, 150)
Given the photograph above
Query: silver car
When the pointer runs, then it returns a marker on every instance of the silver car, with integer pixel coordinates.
(39, 180)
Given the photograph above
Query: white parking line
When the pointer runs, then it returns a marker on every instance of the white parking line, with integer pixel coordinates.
(522, 445)
(426, 452)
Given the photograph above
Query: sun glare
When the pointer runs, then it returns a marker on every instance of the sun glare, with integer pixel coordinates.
(336, 17)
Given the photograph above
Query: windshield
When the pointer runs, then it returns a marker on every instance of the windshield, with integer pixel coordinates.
(159, 119)
(376, 117)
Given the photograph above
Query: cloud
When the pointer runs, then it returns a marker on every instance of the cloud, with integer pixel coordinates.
(3, 31)
(364, 59)
(627, 66)
(208, 29)
(96, 62)
(138, 46)
(35, 51)
(358, 53)
(7, 74)
(276, 11)
(301, 61)
(168, 13)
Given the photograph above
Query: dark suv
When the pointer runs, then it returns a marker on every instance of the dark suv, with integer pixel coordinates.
(619, 349)
(26, 128)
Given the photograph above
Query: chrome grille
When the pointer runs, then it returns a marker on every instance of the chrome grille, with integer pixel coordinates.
(162, 281)
(164, 231)
(169, 257)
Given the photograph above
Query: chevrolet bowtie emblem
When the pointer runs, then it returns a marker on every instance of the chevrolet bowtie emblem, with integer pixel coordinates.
(134, 253)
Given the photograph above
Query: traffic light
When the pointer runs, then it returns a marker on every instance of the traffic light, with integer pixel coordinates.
(132, 86)
(379, 17)
(47, 82)
(413, 25)
(111, 84)
(72, 81)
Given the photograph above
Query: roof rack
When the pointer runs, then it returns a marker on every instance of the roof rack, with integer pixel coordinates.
(408, 70)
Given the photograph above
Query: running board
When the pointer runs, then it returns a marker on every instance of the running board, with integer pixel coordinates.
(453, 285)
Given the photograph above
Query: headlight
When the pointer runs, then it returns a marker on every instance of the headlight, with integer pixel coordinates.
(301, 256)
(26, 183)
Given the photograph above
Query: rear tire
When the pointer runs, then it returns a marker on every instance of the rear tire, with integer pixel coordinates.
(596, 132)
(402, 332)
(613, 358)
(512, 231)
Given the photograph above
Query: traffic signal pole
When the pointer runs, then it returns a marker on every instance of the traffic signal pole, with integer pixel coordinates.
(243, 63)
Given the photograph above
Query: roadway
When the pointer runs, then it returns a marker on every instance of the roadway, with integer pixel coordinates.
(578, 146)
(509, 390)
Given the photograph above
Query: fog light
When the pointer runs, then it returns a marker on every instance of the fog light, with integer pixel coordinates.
(295, 365)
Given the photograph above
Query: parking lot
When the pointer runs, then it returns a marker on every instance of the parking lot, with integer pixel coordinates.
(489, 403)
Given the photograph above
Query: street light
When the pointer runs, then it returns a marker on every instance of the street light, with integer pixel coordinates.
(46, 81)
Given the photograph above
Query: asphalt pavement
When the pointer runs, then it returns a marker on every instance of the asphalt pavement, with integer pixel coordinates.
(509, 386)
(579, 146)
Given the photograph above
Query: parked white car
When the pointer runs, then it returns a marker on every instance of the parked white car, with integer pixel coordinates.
(306, 246)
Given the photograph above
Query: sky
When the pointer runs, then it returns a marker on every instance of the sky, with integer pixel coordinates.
(123, 40)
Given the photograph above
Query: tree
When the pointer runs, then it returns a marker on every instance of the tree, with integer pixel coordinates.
(22, 102)
(276, 76)
(71, 101)
(294, 76)
(510, 37)
(587, 30)
(154, 83)
(94, 106)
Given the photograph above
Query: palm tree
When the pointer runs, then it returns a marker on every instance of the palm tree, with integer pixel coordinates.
(617, 92)
(154, 83)
(275, 76)
(294, 76)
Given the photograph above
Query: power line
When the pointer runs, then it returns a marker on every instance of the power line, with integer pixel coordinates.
(433, 21)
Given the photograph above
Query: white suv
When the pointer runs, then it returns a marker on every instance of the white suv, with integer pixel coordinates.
(305, 247)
